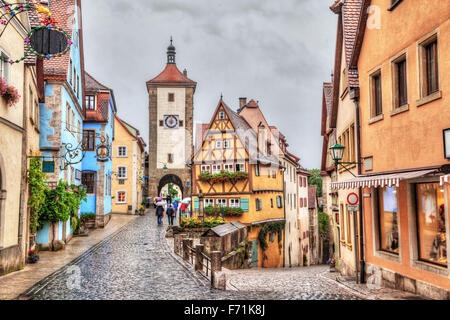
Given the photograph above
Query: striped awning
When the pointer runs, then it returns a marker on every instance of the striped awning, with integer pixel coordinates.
(445, 179)
(380, 180)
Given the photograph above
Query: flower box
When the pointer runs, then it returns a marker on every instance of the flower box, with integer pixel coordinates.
(9, 93)
(223, 176)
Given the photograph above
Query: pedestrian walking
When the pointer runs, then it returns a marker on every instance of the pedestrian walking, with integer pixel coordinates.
(160, 211)
(175, 206)
(183, 209)
(170, 213)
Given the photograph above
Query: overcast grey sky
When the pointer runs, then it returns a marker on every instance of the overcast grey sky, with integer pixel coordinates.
(276, 52)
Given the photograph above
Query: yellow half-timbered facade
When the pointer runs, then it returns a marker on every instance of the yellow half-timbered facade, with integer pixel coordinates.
(234, 177)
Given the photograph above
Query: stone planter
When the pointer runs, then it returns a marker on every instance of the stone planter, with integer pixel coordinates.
(90, 224)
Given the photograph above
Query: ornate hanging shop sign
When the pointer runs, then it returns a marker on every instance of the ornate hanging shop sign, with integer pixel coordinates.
(71, 155)
(46, 41)
(103, 150)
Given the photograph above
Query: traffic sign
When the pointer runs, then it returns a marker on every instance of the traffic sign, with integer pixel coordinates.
(353, 199)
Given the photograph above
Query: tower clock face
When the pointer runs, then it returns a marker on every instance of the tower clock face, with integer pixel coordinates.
(171, 122)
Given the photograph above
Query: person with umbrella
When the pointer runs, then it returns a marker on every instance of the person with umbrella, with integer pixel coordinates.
(160, 208)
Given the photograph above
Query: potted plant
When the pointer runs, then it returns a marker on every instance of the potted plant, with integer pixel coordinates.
(142, 210)
(33, 257)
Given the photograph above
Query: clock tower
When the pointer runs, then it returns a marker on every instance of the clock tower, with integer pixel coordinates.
(171, 112)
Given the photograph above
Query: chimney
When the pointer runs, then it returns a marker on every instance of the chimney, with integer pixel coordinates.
(185, 72)
(242, 102)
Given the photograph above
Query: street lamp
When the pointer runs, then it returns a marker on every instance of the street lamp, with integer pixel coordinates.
(337, 154)
(165, 169)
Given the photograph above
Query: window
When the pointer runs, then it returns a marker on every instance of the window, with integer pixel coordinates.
(221, 115)
(122, 152)
(121, 197)
(376, 95)
(432, 67)
(68, 115)
(122, 172)
(257, 170)
(400, 82)
(89, 140)
(79, 131)
(226, 144)
(228, 167)
(388, 219)
(431, 223)
(295, 201)
(258, 204)
(349, 225)
(171, 97)
(161, 123)
(88, 180)
(240, 167)
(181, 123)
(36, 114)
(90, 102)
(4, 66)
(170, 157)
(205, 168)
(235, 203)
(121, 181)
(78, 86)
(341, 213)
(216, 168)
(429, 68)
(209, 203)
(221, 202)
(271, 203)
(279, 202)
(70, 71)
(218, 144)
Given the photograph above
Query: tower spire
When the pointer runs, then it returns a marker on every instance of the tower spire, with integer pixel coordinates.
(171, 52)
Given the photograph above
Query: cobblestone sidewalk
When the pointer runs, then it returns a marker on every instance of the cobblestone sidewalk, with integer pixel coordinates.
(12, 285)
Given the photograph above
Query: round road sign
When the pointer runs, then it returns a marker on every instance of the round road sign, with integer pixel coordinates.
(353, 199)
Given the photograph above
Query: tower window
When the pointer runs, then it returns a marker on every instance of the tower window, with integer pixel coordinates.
(161, 123)
(171, 97)
(181, 123)
(170, 158)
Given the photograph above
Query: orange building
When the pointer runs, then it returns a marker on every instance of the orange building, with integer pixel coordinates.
(401, 54)
(234, 170)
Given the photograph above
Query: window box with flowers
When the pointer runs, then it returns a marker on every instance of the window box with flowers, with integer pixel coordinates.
(88, 220)
(223, 176)
(9, 93)
(227, 211)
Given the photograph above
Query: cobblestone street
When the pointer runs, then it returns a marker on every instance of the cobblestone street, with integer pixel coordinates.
(136, 264)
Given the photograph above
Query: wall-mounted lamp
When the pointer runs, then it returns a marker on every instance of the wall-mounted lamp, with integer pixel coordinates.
(337, 154)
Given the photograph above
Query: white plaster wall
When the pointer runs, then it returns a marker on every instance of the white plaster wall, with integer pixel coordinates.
(171, 140)
(291, 215)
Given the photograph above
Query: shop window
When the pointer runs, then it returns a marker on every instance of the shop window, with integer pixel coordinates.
(88, 180)
(388, 219)
(431, 223)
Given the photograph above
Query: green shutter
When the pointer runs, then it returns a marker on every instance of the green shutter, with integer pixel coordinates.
(244, 204)
(278, 202)
(196, 204)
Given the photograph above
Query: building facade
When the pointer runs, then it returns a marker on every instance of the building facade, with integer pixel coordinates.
(171, 110)
(402, 101)
(128, 164)
(98, 131)
(232, 148)
(303, 218)
(14, 140)
(62, 115)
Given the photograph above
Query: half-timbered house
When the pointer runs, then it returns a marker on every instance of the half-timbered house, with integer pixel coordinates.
(236, 177)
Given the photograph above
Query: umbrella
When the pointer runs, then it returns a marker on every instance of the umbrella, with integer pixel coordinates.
(187, 200)
(158, 199)
(160, 203)
(176, 199)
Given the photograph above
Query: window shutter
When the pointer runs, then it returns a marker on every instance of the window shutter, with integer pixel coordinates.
(244, 204)
(196, 204)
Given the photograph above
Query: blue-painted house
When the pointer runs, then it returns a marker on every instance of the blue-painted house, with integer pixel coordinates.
(62, 116)
(98, 134)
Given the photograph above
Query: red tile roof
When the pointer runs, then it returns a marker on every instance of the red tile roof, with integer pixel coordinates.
(171, 74)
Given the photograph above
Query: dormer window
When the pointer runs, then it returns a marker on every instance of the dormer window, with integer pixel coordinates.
(90, 102)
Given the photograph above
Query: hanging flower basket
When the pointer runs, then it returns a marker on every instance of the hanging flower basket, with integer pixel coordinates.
(9, 93)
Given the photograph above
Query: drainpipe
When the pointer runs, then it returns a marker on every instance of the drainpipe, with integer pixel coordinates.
(354, 95)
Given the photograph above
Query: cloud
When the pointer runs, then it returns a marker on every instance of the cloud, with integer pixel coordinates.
(277, 52)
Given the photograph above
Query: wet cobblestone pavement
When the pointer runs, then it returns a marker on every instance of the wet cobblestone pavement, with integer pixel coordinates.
(134, 264)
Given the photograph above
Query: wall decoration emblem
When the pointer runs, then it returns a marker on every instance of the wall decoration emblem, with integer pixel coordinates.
(103, 150)
(171, 122)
